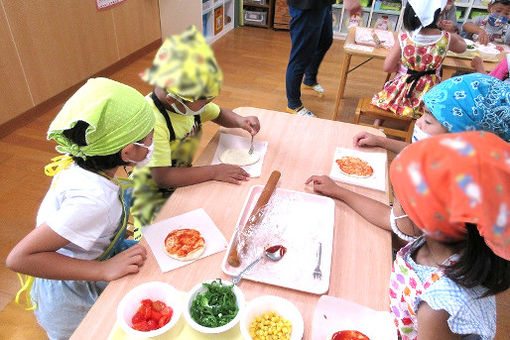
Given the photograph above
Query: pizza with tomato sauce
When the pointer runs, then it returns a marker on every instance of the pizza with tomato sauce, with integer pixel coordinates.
(184, 244)
(349, 335)
(354, 166)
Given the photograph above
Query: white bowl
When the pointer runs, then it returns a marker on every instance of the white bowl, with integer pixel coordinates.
(199, 288)
(268, 303)
(130, 303)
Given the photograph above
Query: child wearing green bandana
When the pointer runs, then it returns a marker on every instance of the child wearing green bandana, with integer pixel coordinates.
(79, 243)
(186, 78)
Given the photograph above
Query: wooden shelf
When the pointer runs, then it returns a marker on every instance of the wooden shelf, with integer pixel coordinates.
(247, 4)
(267, 9)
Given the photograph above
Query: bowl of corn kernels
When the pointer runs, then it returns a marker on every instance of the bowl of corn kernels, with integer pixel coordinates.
(271, 317)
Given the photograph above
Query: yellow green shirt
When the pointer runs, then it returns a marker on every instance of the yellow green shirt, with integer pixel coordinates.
(184, 127)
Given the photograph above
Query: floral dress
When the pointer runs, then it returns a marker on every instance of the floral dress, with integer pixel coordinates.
(403, 95)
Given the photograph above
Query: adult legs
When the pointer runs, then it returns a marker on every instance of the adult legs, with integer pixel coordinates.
(325, 41)
(305, 32)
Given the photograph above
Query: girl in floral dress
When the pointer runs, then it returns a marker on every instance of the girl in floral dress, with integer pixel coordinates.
(421, 49)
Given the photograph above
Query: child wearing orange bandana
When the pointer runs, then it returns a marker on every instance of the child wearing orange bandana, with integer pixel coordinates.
(455, 190)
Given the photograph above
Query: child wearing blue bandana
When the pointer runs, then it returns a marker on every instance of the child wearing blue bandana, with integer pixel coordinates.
(470, 102)
(492, 27)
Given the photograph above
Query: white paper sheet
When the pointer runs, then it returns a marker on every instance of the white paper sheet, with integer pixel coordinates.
(334, 314)
(228, 141)
(198, 219)
(377, 160)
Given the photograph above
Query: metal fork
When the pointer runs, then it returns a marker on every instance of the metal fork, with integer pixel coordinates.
(317, 274)
(251, 146)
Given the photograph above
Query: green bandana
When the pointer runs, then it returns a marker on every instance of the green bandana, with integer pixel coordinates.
(117, 114)
(185, 66)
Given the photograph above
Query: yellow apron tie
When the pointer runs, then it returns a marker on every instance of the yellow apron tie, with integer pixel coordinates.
(26, 286)
(57, 164)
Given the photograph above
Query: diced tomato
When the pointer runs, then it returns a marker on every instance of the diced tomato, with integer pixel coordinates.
(137, 318)
(163, 320)
(151, 315)
(158, 305)
(152, 325)
(155, 315)
(167, 311)
(147, 302)
(141, 326)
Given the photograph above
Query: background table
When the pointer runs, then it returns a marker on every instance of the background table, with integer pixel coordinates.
(298, 147)
(450, 62)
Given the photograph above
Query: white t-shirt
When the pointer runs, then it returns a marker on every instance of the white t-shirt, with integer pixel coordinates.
(84, 208)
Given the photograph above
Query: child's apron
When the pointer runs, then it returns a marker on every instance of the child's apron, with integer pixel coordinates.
(119, 242)
(149, 198)
(405, 289)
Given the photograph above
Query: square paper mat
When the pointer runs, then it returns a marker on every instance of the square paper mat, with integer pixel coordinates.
(377, 160)
(333, 314)
(232, 141)
(198, 219)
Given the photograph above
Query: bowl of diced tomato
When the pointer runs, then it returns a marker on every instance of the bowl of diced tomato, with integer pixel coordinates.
(149, 309)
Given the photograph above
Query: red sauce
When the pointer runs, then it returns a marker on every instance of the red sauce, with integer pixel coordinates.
(274, 249)
(349, 335)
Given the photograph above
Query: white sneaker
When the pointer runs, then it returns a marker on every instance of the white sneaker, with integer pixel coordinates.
(301, 111)
(317, 88)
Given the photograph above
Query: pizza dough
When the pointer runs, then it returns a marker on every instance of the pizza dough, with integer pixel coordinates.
(239, 157)
(184, 244)
(355, 167)
(348, 335)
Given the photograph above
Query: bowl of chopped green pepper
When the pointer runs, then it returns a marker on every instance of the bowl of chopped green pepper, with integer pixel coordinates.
(214, 306)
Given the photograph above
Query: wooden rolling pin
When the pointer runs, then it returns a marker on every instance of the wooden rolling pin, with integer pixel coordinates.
(254, 218)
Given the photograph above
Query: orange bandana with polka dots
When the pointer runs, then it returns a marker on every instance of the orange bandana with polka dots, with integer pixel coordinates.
(445, 181)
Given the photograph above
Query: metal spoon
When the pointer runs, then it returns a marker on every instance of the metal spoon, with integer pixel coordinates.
(274, 253)
(250, 151)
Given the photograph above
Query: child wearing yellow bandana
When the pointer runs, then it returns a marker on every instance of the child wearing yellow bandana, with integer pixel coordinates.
(186, 78)
(79, 243)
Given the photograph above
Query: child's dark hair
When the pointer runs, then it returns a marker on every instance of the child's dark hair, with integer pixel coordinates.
(503, 2)
(478, 265)
(412, 22)
(92, 163)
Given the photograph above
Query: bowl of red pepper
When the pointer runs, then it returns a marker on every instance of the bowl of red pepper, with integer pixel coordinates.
(149, 310)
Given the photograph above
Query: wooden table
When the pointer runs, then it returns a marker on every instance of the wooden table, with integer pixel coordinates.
(381, 53)
(298, 147)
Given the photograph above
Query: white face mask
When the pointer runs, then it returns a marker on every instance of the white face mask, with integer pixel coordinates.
(418, 134)
(394, 227)
(188, 112)
(147, 159)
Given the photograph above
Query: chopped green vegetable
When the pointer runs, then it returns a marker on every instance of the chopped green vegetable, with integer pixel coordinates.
(215, 307)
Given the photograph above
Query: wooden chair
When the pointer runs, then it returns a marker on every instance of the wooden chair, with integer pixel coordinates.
(366, 109)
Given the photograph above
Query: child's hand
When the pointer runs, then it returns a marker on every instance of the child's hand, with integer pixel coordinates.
(250, 124)
(127, 262)
(477, 64)
(323, 185)
(365, 139)
(447, 25)
(483, 38)
(230, 173)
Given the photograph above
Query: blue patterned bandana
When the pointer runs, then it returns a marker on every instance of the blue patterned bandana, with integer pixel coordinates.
(473, 101)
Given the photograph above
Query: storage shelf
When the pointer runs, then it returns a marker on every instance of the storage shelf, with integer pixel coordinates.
(385, 11)
(255, 25)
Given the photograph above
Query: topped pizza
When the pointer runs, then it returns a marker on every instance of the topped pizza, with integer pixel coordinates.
(349, 335)
(354, 166)
(184, 244)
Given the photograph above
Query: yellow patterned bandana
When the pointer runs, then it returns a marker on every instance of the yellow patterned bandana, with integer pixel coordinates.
(185, 66)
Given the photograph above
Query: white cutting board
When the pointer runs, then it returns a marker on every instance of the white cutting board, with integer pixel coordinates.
(298, 221)
(334, 314)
